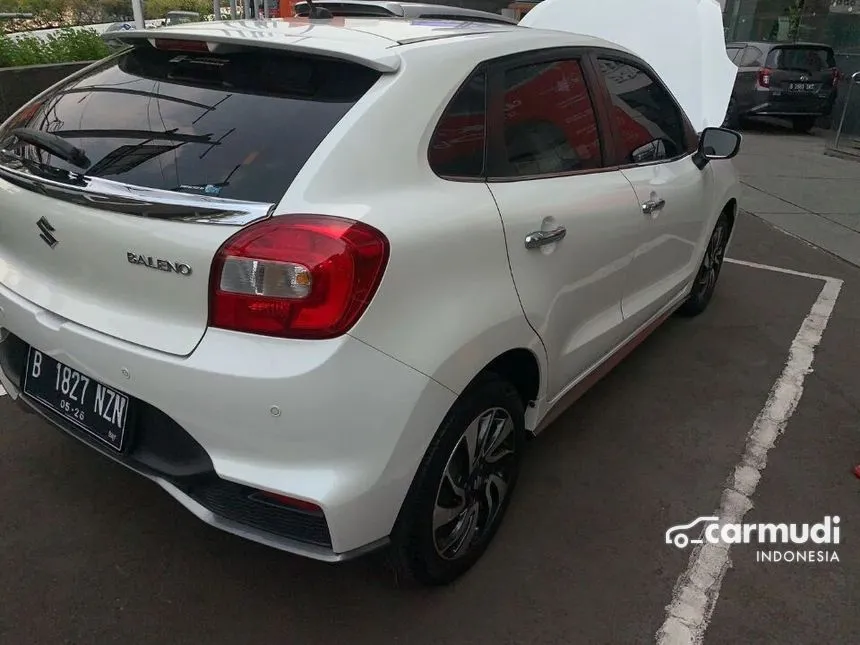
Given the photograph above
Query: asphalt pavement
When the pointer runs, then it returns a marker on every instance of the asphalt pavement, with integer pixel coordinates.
(93, 554)
(790, 182)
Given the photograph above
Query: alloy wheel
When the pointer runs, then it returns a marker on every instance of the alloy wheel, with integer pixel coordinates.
(474, 484)
(713, 260)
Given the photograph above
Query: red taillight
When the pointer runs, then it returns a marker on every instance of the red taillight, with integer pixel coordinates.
(169, 44)
(837, 75)
(297, 276)
(764, 76)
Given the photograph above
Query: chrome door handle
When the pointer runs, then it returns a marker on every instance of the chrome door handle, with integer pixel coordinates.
(653, 205)
(541, 238)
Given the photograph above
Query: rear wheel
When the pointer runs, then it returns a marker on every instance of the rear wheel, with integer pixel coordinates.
(463, 487)
(803, 124)
(709, 270)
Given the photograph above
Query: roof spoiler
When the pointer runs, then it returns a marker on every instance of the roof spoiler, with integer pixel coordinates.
(223, 41)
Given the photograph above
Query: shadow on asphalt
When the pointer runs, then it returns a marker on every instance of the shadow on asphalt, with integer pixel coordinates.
(780, 127)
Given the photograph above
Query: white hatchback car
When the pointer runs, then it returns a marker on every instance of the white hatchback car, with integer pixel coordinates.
(320, 279)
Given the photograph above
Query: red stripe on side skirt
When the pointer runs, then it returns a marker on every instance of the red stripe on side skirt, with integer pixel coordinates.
(607, 366)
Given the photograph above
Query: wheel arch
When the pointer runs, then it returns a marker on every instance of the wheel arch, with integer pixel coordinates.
(731, 211)
(521, 368)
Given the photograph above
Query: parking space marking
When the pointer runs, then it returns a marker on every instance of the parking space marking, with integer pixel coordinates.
(697, 589)
(767, 267)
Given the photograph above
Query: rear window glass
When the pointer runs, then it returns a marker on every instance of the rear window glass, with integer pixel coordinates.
(808, 59)
(238, 126)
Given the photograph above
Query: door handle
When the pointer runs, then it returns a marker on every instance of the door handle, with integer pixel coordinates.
(653, 205)
(541, 238)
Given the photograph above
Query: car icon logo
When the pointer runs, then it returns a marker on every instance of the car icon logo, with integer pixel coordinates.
(47, 232)
(677, 536)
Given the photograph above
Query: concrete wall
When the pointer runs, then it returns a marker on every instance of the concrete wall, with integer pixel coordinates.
(19, 84)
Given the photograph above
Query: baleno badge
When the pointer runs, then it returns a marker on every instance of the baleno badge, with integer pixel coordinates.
(157, 263)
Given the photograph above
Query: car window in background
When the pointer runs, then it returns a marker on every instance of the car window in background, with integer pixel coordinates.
(734, 53)
(457, 146)
(237, 125)
(645, 115)
(806, 59)
(752, 57)
(550, 126)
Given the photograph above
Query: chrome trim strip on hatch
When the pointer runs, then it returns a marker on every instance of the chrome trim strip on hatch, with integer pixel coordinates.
(104, 194)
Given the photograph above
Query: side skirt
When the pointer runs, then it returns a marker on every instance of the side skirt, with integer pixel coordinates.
(579, 387)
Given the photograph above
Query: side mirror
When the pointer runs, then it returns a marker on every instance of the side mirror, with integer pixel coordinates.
(716, 143)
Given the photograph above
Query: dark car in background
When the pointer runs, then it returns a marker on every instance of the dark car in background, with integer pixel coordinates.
(793, 81)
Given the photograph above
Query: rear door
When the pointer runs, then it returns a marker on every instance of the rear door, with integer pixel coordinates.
(177, 151)
(570, 222)
(655, 146)
(748, 91)
(802, 70)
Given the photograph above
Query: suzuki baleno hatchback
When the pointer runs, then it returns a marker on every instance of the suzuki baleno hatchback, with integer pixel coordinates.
(320, 279)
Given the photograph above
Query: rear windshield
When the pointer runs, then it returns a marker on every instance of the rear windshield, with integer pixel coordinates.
(807, 59)
(238, 126)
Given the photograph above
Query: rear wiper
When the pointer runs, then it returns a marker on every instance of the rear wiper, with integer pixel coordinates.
(57, 146)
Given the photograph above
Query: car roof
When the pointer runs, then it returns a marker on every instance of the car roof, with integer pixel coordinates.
(367, 41)
(383, 8)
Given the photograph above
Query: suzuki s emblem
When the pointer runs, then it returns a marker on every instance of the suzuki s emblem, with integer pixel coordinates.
(46, 232)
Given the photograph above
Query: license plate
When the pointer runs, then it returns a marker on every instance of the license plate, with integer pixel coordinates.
(91, 406)
(802, 87)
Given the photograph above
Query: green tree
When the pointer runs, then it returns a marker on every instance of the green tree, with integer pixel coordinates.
(67, 46)
(155, 9)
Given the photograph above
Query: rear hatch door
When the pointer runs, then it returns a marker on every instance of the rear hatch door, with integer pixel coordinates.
(176, 151)
(801, 69)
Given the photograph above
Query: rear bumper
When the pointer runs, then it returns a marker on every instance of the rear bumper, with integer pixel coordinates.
(353, 424)
(786, 105)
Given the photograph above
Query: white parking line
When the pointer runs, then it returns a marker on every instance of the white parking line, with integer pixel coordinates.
(767, 267)
(697, 589)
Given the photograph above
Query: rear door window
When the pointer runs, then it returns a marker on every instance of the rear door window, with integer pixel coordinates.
(801, 59)
(550, 126)
(238, 125)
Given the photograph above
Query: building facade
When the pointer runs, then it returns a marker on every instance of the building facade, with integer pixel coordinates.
(834, 22)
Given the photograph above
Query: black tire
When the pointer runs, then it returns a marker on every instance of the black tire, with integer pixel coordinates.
(732, 120)
(802, 125)
(709, 271)
(415, 552)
